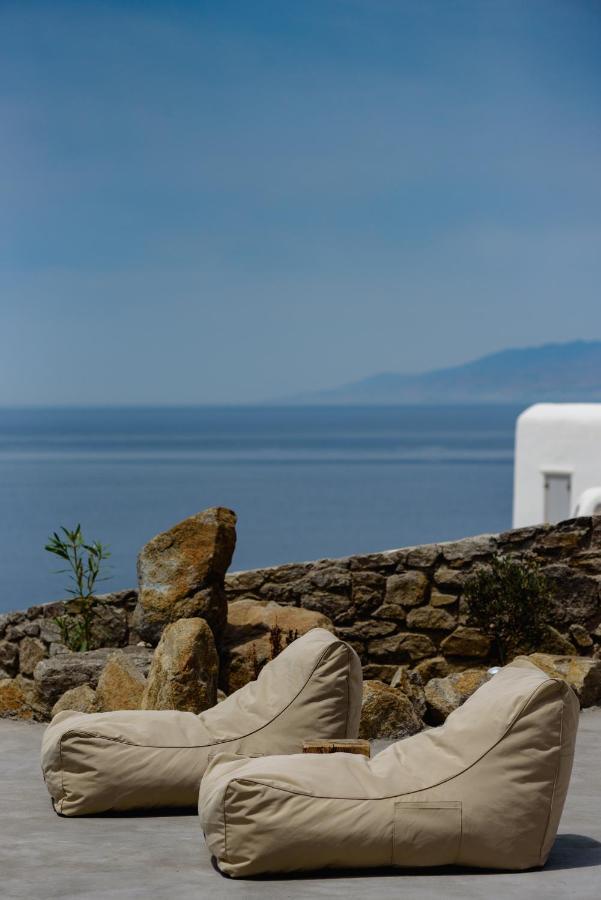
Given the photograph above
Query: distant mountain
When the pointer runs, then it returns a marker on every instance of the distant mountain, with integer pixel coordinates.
(552, 372)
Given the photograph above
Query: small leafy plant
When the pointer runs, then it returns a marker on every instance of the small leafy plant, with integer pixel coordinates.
(84, 565)
(509, 600)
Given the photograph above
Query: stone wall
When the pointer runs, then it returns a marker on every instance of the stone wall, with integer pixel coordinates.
(405, 606)
(397, 608)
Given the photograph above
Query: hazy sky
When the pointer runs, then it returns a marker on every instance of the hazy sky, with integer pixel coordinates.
(230, 201)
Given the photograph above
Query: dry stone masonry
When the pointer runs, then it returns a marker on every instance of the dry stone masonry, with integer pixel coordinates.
(405, 607)
(402, 610)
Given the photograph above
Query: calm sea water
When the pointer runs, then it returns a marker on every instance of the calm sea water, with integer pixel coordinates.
(305, 482)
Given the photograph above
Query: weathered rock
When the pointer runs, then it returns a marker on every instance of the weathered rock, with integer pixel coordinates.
(423, 557)
(466, 642)
(181, 573)
(238, 583)
(9, 657)
(370, 629)
(580, 636)
(438, 598)
(184, 669)
(459, 553)
(574, 595)
(121, 684)
(561, 538)
(109, 628)
(556, 643)
(378, 562)
(332, 606)
(393, 611)
(367, 592)
(375, 672)
(446, 577)
(581, 673)
(386, 713)
(13, 703)
(31, 652)
(430, 618)
(81, 699)
(443, 695)
(407, 589)
(247, 638)
(50, 633)
(400, 648)
(32, 700)
(59, 673)
(411, 684)
(437, 667)
(331, 578)
(24, 629)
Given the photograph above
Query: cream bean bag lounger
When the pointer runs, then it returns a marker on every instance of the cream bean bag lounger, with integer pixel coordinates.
(144, 758)
(485, 789)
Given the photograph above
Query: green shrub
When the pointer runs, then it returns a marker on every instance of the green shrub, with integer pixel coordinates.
(509, 600)
(84, 564)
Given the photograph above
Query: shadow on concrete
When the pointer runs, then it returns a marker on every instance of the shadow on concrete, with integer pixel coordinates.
(574, 851)
(570, 851)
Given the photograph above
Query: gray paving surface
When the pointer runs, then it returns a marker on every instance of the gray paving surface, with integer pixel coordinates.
(163, 856)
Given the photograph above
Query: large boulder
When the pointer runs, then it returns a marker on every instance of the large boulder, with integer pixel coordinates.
(443, 695)
(121, 684)
(253, 627)
(582, 673)
(181, 574)
(80, 699)
(60, 673)
(387, 713)
(184, 670)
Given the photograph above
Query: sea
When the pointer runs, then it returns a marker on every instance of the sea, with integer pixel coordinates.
(305, 482)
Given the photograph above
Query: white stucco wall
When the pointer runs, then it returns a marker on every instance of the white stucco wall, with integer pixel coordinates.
(558, 438)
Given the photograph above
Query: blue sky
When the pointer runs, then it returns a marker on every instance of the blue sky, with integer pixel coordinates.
(231, 201)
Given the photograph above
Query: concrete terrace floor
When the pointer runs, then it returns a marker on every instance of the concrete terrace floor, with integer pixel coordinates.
(163, 856)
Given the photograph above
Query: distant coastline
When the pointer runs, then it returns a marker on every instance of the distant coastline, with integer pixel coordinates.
(569, 372)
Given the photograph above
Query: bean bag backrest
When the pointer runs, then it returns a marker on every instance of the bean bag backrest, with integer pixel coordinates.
(145, 758)
(485, 789)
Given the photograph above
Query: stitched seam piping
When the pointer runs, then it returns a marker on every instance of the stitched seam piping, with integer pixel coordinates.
(428, 787)
(90, 734)
(554, 782)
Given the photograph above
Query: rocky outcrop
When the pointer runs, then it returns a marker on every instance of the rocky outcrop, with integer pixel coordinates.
(184, 669)
(443, 695)
(257, 629)
(81, 699)
(386, 713)
(181, 574)
(582, 674)
(121, 684)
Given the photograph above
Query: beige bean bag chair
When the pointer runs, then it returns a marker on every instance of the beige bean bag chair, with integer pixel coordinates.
(139, 759)
(485, 789)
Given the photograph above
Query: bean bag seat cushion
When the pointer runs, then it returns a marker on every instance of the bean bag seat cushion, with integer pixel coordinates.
(485, 789)
(94, 762)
